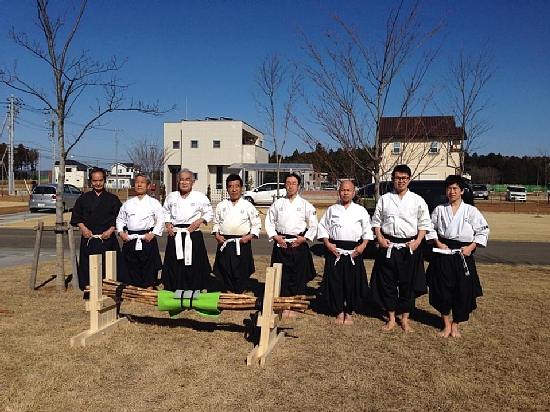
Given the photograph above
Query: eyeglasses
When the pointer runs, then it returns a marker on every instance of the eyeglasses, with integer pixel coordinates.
(401, 178)
(291, 184)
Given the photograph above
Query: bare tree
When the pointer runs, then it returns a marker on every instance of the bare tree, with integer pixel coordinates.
(75, 75)
(355, 81)
(151, 157)
(466, 81)
(277, 84)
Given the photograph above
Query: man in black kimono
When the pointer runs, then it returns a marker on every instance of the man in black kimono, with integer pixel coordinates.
(95, 215)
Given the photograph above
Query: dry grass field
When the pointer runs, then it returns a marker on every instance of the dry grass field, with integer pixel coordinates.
(197, 364)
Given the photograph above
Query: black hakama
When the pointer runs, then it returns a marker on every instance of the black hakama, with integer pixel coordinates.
(177, 276)
(94, 246)
(231, 269)
(139, 267)
(449, 287)
(298, 268)
(396, 282)
(344, 281)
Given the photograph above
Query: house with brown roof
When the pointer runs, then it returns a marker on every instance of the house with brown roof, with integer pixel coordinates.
(429, 145)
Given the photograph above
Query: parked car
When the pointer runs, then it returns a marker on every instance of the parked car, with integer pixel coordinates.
(264, 194)
(432, 191)
(44, 196)
(516, 193)
(480, 192)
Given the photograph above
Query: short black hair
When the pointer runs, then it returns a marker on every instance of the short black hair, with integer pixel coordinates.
(452, 179)
(401, 169)
(97, 170)
(296, 175)
(231, 178)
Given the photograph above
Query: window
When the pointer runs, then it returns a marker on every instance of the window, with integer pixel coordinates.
(216, 144)
(219, 177)
(434, 148)
(194, 144)
(396, 148)
(176, 144)
(195, 176)
(68, 170)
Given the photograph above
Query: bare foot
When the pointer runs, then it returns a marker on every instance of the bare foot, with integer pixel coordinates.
(454, 331)
(444, 333)
(389, 326)
(339, 319)
(288, 314)
(348, 321)
(406, 327)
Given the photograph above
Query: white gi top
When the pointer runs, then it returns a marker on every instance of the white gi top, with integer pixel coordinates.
(402, 218)
(351, 224)
(466, 225)
(180, 211)
(291, 218)
(142, 214)
(238, 219)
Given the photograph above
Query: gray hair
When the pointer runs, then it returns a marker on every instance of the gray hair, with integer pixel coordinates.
(185, 170)
(147, 178)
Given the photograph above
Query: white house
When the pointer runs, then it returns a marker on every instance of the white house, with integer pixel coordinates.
(76, 173)
(208, 148)
(429, 145)
(121, 176)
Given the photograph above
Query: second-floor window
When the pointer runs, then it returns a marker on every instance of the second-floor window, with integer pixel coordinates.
(396, 148)
(176, 144)
(194, 144)
(434, 147)
(216, 144)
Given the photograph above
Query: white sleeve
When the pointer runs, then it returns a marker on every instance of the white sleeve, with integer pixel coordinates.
(312, 223)
(322, 227)
(122, 218)
(481, 228)
(367, 228)
(207, 212)
(217, 220)
(270, 222)
(159, 219)
(255, 221)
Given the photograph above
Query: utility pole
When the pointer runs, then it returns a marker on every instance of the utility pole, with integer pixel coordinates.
(116, 159)
(12, 111)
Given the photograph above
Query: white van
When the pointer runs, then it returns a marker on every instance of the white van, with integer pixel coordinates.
(516, 194)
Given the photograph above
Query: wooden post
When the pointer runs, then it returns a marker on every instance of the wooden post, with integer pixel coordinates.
(74, 262)
(37, 243)
(40, 229)
(268, 320)
(103, 316)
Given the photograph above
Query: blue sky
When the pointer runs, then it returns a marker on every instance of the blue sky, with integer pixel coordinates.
(201, 55)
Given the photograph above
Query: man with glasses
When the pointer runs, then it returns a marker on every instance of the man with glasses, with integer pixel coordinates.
(292, 221)
(186, 264)
(401, 220)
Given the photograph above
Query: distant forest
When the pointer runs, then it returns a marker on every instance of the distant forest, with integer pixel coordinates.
(492, 169)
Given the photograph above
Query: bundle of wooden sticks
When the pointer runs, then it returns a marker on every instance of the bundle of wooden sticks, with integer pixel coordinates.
(227, 301)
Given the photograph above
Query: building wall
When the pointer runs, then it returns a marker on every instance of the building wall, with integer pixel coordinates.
(425, 163)
(74, 177)
(207, 145)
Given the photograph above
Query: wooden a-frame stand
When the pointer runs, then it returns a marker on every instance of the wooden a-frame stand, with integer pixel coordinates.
(268, 320)
(72, 252)
(103, 309)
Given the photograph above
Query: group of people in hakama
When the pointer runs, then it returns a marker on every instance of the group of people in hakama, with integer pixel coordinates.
(400, 223)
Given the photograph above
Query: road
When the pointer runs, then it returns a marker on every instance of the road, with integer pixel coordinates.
(17, 247)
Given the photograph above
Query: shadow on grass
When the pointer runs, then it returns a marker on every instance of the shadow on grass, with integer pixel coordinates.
(197, 325)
